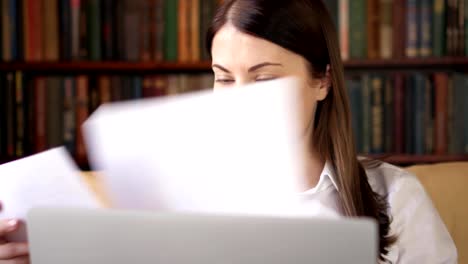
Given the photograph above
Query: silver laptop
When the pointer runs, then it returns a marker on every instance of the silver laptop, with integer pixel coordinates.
(77, 236)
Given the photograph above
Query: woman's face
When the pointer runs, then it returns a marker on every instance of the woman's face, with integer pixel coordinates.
(239, 59)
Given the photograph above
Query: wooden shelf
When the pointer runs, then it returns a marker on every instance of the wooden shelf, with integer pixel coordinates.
(65, 67)
(447, 63)
(444, 63)
(417, 159)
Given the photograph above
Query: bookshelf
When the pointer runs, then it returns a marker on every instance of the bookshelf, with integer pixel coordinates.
(114, 44)
(431, 63)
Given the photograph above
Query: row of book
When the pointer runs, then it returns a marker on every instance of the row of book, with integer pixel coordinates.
(415, 113)
(37, 113)
(125, 30)
(387, 29)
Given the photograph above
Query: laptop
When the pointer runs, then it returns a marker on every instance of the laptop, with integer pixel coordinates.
(77, 236)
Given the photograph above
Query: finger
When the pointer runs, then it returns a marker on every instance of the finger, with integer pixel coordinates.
(13, 250)
(20, 260)
(7, 226)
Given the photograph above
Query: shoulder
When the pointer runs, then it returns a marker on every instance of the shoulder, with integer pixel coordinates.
(387, 180)
(414, 218)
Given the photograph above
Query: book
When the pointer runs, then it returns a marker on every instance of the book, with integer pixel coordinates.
(399, 113)
(358, 36)
(441, 81)
(69, 113)
(65, 29)
(366, 114)
(386, 29)
(170, 30)
(412, 28)
(388, 123)
(377, 114)
(425, 28)
(40, 105)
(94, 21)
(82, 112)
(50, 39)
(438, 36)
(344, 28)
(373, 29)
(54, 112)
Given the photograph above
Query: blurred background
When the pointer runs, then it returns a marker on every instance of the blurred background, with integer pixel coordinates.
(405, 64)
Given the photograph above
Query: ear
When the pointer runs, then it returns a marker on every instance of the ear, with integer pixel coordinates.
(325, 85)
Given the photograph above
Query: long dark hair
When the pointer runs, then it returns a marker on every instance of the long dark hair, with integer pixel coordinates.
(305, 27)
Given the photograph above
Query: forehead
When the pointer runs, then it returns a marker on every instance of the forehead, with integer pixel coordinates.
(233, 47)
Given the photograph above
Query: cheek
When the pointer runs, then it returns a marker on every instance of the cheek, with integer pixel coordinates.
(308, 105)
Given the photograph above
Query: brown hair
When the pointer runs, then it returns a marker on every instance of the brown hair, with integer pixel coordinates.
(306, 28)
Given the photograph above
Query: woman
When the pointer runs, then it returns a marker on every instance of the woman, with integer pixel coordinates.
(258, 40)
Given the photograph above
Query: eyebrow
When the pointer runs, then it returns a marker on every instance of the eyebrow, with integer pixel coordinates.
(251, 69)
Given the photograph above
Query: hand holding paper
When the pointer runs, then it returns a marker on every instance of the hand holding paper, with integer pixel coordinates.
(47, 179)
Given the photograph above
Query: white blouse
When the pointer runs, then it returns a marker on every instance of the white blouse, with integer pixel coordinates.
(422, 236)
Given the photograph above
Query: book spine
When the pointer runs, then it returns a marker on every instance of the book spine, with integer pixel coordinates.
(82, 112)
(6, 28)
(388, 136)
(54, 112)
(108, 30)
(65, 29)
(195, 30)
(170, 30)
(160, 30)
(366, 115)
(450, 30)
(425, 24)
(344, 29)
(441, 115)
(145, 31)
(69, 114)
(94, 29)
(419, 105)
(75, 6)
(438, 36)
(37, 29)
(183, 30)
(412, 28)
(458, 107)
(461, 28)
(137, 87)
(358, 36)
(466, 28)
(13, 13)
(50, 32)
(429, 116)
(1, 36)
(40, 92)
(386, 29)
(116, 88)
(19, 31)
(409, 114)
(450, 117)
(3, 123)
(377, 114)
(131, 30)
(465, 115)
(399, 114)
(373, 29)
(10, 115)
(105, 95)
(355, 95)
(19, 148)
(83, 30)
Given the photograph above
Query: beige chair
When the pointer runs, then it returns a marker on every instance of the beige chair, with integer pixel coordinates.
(446, 183)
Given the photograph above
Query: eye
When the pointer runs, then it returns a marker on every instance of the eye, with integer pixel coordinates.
(224, 81)
(265, 78)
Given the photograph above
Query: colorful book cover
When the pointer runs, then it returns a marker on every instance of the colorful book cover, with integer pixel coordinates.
(358, 34)
(438, 36)
(171, 30)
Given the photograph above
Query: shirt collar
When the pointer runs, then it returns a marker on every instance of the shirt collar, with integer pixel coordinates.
(327, 178)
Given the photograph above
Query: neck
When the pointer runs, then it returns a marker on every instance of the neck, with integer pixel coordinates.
(314, 167)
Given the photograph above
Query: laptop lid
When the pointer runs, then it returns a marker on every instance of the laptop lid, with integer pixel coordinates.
(76, 236)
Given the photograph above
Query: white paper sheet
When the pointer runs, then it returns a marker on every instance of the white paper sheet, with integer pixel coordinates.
(233, 151)
(50, 178)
